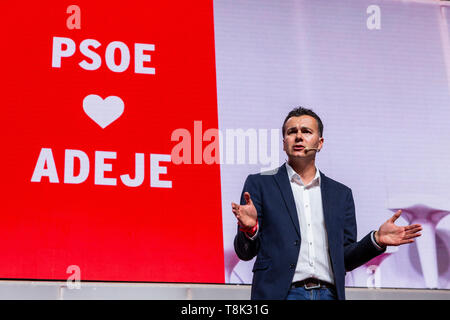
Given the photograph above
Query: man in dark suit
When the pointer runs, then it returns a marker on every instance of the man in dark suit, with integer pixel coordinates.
(301, 225)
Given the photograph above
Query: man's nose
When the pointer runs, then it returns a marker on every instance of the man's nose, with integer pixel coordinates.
(299, 137)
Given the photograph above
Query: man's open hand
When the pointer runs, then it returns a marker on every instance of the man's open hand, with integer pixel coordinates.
(391, 235)
(246, 214)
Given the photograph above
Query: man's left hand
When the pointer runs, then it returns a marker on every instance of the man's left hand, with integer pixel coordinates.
(391, 235)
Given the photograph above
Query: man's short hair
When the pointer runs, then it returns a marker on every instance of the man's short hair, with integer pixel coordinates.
(300, 111)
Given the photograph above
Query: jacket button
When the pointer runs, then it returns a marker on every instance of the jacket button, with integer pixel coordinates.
(296, 243)
(292, 266)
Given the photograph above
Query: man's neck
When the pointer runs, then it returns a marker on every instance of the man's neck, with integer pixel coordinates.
(305, 169)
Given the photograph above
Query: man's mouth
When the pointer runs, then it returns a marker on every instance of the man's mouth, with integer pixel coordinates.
(298, 147)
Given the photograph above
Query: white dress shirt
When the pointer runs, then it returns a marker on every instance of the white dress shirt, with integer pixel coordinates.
(314, 260)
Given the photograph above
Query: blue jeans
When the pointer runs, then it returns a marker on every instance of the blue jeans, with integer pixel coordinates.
(322, 293)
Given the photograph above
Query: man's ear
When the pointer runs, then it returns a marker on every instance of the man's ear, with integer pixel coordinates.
(321, 140)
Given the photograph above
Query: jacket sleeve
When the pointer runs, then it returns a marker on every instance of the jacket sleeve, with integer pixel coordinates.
(247, 248)
(356, 253)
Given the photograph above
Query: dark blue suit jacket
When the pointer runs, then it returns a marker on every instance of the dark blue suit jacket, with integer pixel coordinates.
(277, 244)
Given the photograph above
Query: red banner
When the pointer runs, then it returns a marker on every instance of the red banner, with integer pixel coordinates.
(91, 95)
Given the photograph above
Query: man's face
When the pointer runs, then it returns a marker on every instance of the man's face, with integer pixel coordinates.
(300, 133)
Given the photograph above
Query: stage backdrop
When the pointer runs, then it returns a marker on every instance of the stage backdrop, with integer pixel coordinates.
(113, 113)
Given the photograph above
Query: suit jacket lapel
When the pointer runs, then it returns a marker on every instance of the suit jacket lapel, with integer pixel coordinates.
(282, 179)
(327, 196)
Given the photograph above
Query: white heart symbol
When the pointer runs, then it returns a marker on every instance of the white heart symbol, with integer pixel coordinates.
(103, 112)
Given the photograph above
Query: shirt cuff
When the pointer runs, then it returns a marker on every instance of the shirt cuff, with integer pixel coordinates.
(372, 237)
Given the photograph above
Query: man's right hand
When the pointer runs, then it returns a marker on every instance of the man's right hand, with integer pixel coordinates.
(246, 214)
